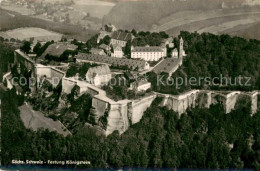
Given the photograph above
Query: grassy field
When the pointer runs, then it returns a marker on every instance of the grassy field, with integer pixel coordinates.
(142, 15)
(12, 20)
(194, 15)
(213, 23)
(93, 7)
(248, 31)
(18, 9)
(28, 32)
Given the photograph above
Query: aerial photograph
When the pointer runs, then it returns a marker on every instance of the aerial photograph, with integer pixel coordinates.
(130, 85)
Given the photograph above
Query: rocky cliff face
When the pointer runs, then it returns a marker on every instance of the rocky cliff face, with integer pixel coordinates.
(121, 114)
(229, 100)
(118, 116)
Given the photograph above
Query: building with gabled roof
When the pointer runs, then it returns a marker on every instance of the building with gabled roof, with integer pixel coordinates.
(120, 38)
(57, 49)
(169, 65)
(116, 62)
(99, 75)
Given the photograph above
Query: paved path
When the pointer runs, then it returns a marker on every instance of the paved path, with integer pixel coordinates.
(35, 120)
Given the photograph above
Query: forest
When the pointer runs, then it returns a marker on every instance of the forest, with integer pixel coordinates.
(211, 56)
(6, 58)
(202, 138)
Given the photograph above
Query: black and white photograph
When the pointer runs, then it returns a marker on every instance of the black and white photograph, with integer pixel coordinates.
(130, 85)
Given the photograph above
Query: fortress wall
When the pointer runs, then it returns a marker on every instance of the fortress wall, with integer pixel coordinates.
(22, 59)
(55, 73)
(67, 85)
(227, 100)
(253, 98)
(231, 100)
(181, 103)
(99, 108)
(7, 77)
(139, 107)
(254, 103)
(120, 113)
(117, 119)
(43, 71)
(172, 103)
(203, 99)
(91, 91)
(209, 100)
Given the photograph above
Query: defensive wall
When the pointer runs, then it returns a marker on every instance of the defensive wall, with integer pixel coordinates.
(53, 75)
(122, 114)
(203, 98)
(21, 58)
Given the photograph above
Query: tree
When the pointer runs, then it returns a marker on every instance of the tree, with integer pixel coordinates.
(134, 32)
(26, 47)
(37, 48)
(127, 49)
(72, 71)
(106, 40)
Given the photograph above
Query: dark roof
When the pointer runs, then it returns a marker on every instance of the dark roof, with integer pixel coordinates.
(148, 49)
(123, 36)
(57, 49)
(130, 63)
(167, 65)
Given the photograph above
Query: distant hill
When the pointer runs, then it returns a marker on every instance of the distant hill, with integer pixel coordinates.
(214, 16)
(249, 32)
(12, 20)
(143, 14)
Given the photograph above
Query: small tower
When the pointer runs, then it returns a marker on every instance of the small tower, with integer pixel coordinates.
(181, 48)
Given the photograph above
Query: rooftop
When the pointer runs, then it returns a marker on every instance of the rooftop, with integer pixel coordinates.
(57, 49)
(148, 49)
(130, 63)
(167, 65)
(119, 35)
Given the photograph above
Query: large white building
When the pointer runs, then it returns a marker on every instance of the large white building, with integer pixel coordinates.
(150, 53)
